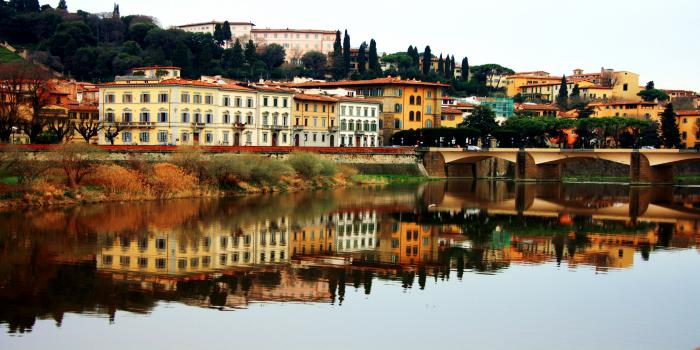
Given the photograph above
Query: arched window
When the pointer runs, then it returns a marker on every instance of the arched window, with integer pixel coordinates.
(418, 116)
(374, 126)
(411, 116)
(351, 125)
(343, 125)
(418, 101)
(412, 100)
(365, 126)
(359, 125)
(428, 123)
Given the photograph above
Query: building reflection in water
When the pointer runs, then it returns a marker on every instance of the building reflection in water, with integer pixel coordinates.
(227, 254)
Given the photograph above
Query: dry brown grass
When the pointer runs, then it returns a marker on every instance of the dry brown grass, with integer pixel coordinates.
(169, 180)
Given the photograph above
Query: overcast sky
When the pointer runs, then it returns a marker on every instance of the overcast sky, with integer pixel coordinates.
(657, 39)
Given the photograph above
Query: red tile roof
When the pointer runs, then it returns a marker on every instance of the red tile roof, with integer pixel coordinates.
(377, 81)
(688, 113)
(450, 110)
(537, 107)
(312, 97)
(154, 67)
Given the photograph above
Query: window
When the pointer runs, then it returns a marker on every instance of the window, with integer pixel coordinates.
(209, 99)
(144, 117)
(126, 117)
(306, 107)
(143, 137)
(418, 116)
(109, 98)
(126, 98)
(163, 97)
(238, 102)
(185, 117)
(397, 123)
(197, 98)
(162, 137)
(397, 108)
(162, 117)
(185, 98)
(209, 118)
(227, 101)
(342, 110)
(265, 101)
(184, 137)
(209, 137)
(225, 137)
(411, 116)
(126, 137)
(418, 101)
(264, 135)
(145, 97)
(275, 102)
(297, 106)
(250, 103)
(624, 87)
(284, 103)
(411, 100)
(429, 109)
(109, 117)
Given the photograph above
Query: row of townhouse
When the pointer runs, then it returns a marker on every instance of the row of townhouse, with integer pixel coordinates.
(151, 108)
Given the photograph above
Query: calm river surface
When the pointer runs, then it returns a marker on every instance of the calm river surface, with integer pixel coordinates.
(456, 265)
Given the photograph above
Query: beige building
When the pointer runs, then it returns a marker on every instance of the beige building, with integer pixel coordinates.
(296, 42)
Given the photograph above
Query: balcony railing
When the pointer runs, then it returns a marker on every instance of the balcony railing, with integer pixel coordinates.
(198, 125)
(239, 125)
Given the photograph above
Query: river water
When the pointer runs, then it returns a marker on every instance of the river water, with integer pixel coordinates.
(458, 264)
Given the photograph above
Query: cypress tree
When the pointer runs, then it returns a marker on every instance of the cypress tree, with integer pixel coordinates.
(441, 66)
(32, 6)
(115, 12)
(670, 135)
(427, 60)
(218, 34)
(650, 86)
(453, 65)
(416, 57)
(362, 59)
(226, 31)
(62, 5)
(563, 96)
(338, 63)
(374, 66)
(249, 53)
(237, 57)
(346, 53)
(465, 68)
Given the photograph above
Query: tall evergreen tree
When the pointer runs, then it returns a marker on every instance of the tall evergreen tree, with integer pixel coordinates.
(427, 60)
(415, 56)
(563, 96)
(32, 5)
(346, 53)
(218, 34)
(62, 5)
(575, 97)
(441, 66)
(465, 68)
(362, 59)
(249, 53)
(226, 31)
(453, 66)
(374, 66)
(115, 12)
(670, 134)
(237, 57)
(650, 86)
(338, 63)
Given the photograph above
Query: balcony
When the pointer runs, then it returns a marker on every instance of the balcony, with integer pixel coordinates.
(137, 125)
(298, 127)
(239, 126)
(198, 125)
(332, 129)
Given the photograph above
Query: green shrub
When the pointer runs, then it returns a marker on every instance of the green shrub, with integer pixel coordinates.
(310, 165)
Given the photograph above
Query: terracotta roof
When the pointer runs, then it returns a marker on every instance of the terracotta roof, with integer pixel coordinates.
(154, 67)
(464, 104)
(377, 81)
(272, 89)
(537, 107)
(287, 30)
(617, 103)
(355, 99)
(451, 110)
(688, 113)
(213, 22)
(599, 87)
(310, 97)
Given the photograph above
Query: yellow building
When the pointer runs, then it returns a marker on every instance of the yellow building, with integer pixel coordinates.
(627, 109)
(689, 126)
(624, 84)
(313, 237)
(145, 109)
(450, 118)
(515, 81)
(315, 121)
(404, 104)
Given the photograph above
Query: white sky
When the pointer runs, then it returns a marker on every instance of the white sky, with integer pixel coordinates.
(657, 39)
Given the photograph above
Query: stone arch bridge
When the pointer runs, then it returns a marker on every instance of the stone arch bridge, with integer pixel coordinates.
(653, 166)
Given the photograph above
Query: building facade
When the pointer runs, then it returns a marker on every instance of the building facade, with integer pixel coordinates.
(359, 122)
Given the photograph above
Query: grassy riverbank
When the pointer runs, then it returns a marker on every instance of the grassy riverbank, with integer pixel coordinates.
(391, 179)
(596, 179)
(78, 173)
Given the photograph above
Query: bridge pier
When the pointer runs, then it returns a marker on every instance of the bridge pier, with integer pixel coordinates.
(643, 173)
(528, 170)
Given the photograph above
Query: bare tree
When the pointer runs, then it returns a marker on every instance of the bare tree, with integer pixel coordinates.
(11, 99)
(112, 131)
(77, 161)
(89, 128)
(34, 89)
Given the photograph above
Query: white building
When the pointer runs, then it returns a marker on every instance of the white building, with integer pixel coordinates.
(359, 122)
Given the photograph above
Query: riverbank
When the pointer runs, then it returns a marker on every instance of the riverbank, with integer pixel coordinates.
(77, 174)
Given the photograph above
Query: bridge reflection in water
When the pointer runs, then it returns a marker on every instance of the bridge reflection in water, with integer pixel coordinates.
(308, 248)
